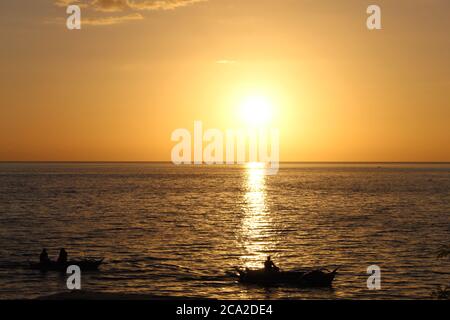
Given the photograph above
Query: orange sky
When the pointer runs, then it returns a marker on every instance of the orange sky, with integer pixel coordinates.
(115, 90)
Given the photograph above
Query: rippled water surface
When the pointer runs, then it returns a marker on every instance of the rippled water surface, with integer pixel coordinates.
(180, 231)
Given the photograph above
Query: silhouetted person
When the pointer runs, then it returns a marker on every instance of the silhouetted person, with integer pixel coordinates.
(269, 266)
(62, 258)
(43, 258)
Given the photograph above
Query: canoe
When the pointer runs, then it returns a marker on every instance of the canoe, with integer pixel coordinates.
(314, 278)
(85, 265)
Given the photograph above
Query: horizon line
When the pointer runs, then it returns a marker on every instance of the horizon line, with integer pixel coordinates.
(281, 162)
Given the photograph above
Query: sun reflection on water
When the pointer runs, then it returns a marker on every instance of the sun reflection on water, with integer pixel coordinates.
(256, 221)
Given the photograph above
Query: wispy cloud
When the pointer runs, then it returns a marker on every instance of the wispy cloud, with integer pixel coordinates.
(123, 5)
(101, 21)
(131, 7)
(65, 3)
(107, 21)
(110, 5)
(225, 61)
(161, 4)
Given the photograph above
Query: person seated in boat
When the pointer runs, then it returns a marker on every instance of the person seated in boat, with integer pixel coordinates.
(43, 258)
(269, 266)
(62, 258)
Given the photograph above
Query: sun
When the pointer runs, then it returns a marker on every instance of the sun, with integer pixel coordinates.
(256, 110)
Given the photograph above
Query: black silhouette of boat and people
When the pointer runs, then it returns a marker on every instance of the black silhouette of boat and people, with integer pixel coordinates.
(62, 262)
(271, 275)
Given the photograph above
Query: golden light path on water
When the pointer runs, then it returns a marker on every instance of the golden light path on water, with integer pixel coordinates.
(256, 222)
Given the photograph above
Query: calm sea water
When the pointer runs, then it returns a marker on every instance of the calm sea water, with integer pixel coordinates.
(180, 231)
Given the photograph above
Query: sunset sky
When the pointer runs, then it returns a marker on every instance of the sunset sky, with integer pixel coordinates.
(137, 70)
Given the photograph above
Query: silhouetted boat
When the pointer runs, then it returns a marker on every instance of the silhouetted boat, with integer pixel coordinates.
(314, 278)
(85, 265)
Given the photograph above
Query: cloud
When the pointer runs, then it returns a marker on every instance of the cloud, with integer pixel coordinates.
(110, 5)
(101, 21)
(225, 61)
(132, 7)
(160, 4)
(66, 3)
(107, 21)
(123, 5)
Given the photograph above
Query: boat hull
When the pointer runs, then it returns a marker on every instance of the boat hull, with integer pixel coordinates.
(315, 278)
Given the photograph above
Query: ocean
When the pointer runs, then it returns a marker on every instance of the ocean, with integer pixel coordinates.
(180, 231)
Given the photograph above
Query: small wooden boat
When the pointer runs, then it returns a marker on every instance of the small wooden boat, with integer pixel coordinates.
(314, 278)
(85, 265)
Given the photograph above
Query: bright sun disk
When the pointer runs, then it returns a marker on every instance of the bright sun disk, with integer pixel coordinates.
(256, 110)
